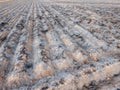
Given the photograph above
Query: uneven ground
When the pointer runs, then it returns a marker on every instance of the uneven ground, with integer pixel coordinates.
(59, 45)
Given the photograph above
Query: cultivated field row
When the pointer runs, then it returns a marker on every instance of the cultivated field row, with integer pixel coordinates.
(58, 46)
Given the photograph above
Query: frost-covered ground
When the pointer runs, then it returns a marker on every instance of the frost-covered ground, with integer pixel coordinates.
(56, 45)
(89, 1)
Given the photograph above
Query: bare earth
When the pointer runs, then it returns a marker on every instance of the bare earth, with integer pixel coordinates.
(60, 45)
